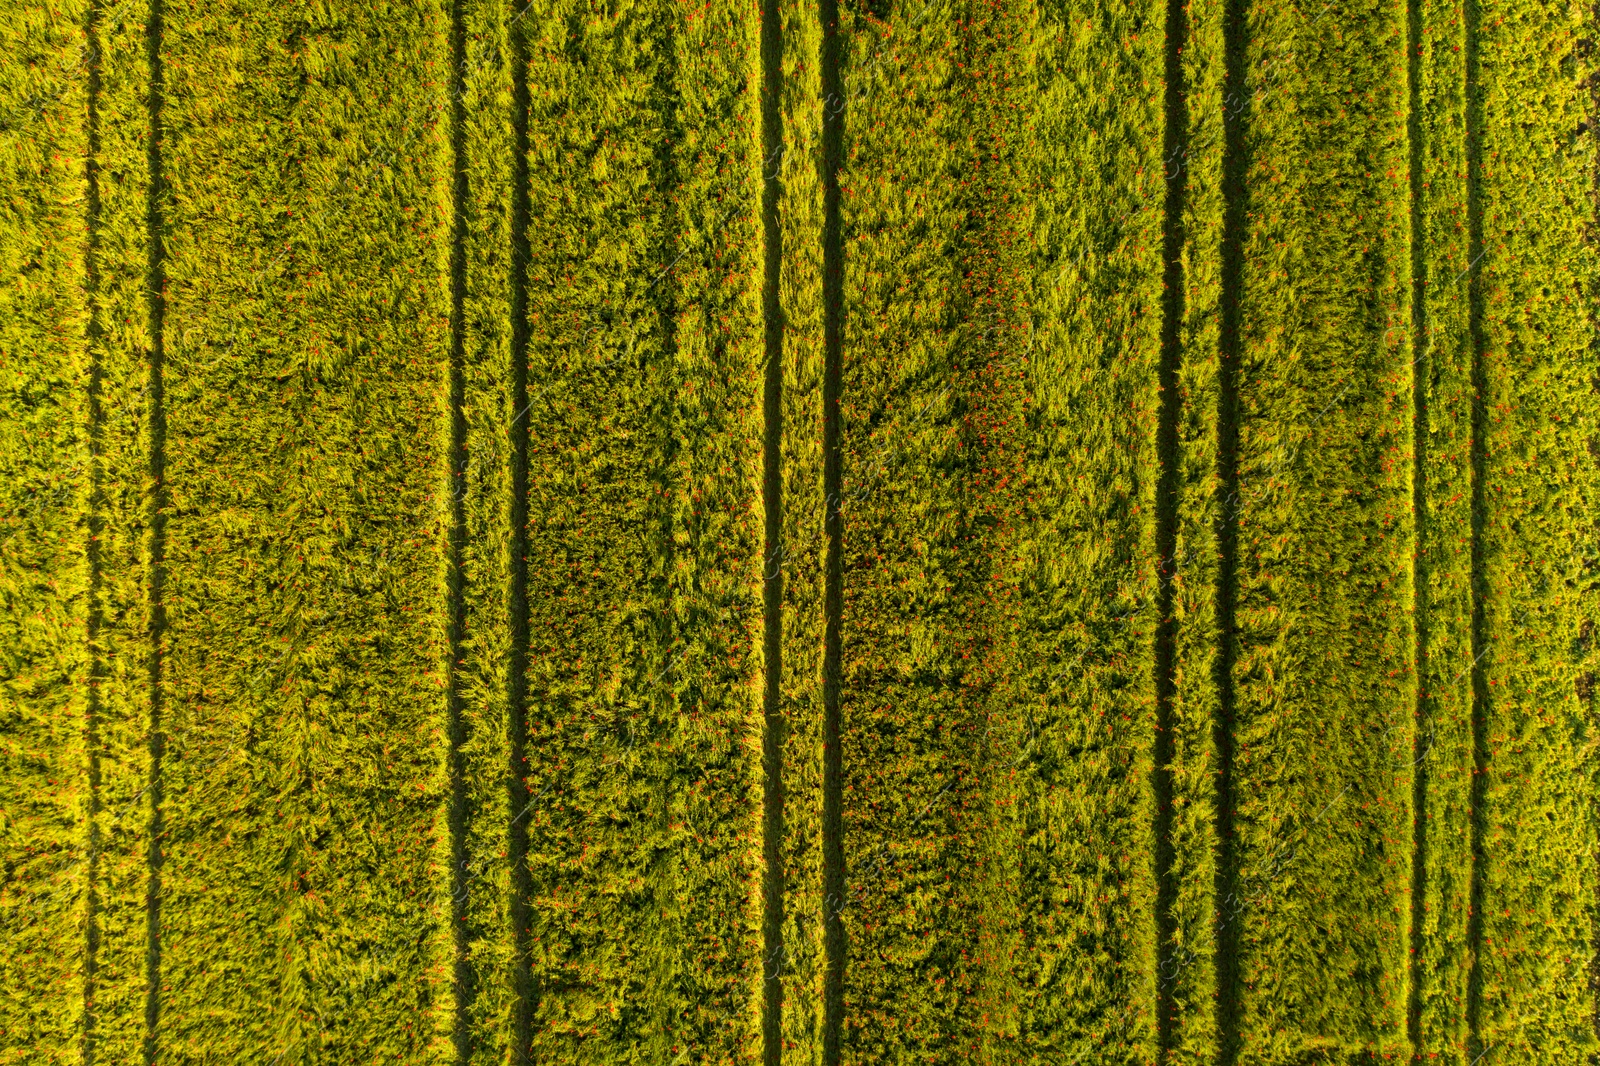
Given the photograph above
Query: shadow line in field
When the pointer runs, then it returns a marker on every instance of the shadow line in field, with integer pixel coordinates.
(1235, 163)
(772, 722)
(833, 599)
(96, 527)
(463, 978)
(1420, 375)
(1166, 520)
(155, 294)
(523, 992)
(1478, 583)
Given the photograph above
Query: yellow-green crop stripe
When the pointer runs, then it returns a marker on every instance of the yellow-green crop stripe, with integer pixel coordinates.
(305, 202)
(1531, 194)
(46, 724)
(1322, 681)
(1442, 374)
(908, 772)
(932, 324)
(644, 533)
(801, 556)
(1085, 713)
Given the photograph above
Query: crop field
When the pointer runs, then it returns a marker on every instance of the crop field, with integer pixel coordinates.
(800, 532)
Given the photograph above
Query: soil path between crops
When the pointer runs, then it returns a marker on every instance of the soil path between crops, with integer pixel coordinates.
(155, 290)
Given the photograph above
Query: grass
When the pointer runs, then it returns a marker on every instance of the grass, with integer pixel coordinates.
(939, 531)
(1321, 645)
(644, 545)
(1535, 376)
(46, 386)
(303, 214)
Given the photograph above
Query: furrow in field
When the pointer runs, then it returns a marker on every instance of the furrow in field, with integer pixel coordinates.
(773, 835)
(457, 815)
(1231, 245)
(645, 386)
(489, 1017)
(48, 517)
(156, 508)
(1186, 960)
(835, 100)
(1532, 199)
(1313, 908)
(306, 224)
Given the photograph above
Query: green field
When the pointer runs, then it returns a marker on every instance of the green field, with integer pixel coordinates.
(994, 531)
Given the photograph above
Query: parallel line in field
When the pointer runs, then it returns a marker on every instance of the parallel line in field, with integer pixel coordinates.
(155, 286)
(96, 412)
(1588, 701)
(666, 289)
(1419, 507)
(517, 668)
(1234, 167)
(772, 812)
(833, 355)
(1479, 462)
(455, 730)
(1172, 311)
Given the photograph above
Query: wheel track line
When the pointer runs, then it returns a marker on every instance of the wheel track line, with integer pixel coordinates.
(1421, 346)
(96, 413)
(463, 978)
(833, 598)
(1234, 169)
(772, 732)
(155, 285)
(1167, 455)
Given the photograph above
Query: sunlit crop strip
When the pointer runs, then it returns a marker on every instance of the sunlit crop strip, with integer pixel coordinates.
(801, 551)
(1528, 997)
(45, 553)
(1095, 199)
(645, 533)
(1323, 675)
(306, 227)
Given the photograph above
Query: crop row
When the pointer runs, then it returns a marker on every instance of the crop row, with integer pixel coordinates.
(1530, 291)
(44, 564)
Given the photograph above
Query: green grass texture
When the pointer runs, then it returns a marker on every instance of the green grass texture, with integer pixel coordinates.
(799, 532)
